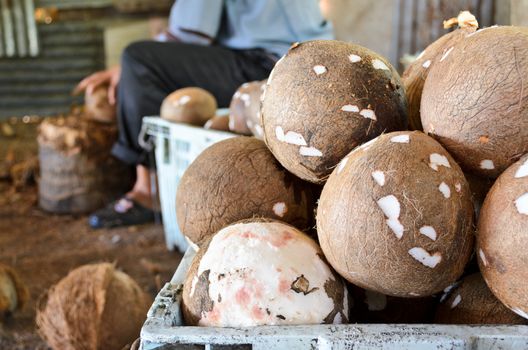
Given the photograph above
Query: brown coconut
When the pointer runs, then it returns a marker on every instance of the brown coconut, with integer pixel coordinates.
(414, 76)
(396, 216)
(13, 292)
(324, 98)
(474, 100)
(190, 105)
(238, 179)
(502, 237)
(244, 110)
(97, 107)
(471, 302)
(262, 272)
(218, 122)
(95, 307)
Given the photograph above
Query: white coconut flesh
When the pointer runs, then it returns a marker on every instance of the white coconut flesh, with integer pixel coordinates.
(266, 274)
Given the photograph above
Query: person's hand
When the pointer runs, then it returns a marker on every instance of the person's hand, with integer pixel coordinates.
(110, 76)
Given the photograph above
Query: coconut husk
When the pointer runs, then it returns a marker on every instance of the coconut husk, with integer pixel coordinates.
(94, 307)
(13, 292)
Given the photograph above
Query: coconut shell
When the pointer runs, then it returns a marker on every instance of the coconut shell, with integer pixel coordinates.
(97, 107)
(255, 273)
(324, 98)
(13, 292)
(479, 187)
(474, 100)
(502, 237)
(190, 105)
(218, 122)
(95, 307)
(244, 110)
(471, 302)
(395, 233)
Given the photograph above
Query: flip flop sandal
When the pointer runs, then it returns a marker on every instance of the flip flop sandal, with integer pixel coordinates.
(123, 212)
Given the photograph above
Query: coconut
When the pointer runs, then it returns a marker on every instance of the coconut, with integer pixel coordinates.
(94, 307)
(97, 107)
(471, 302)
(218, 122)
(414, 76)
(502, 238)
(13, 293)
(396, 234)
(244, 110)
(479, 187)
(324, 98)
(474, 103)
(257, 273)
(238, 179)
(190, 105)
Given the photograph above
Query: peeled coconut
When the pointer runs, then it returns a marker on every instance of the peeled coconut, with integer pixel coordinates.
(13, 292)
(190, 105)
(218, 122)
(97, 107)
(238, 179)
(95, 307)
(414, 76)
(324, 98)
(244, 110)
(471, 302)
(502, 238)
(474, 99)
(396, 216)
(256, 273)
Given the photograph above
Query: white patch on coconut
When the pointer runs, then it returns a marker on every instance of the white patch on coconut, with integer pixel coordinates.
(424, 257)
(249, 123)
(390, 206)
(379, 64)
(522, 204)
(458, 187)
(294, 138)
(420, 55)
(280, 209)
(184, 99)
(375, 301)
(426, 64)
(448, 290)
(354, 58)
(444, 188)
(368, 113)
(414, 294)
(342, 165)
(237, 94)
(522, 171)
(483, 257)
(428, 231)
(444, 56)
(436, 160)
(456, 301)
(246, 98)
(279, 133)
(401, 139)
(319, 69)
(208, 124)
(350, 108)
(259, 130)
(379, 177)
(245, 85)
(487, 164)
(520, 312)
(231, 123)
(310, 152)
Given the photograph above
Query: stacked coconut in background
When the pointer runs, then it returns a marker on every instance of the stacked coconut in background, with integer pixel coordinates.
(395, 215)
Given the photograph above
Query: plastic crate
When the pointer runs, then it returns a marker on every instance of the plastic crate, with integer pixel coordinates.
(164, 330)
(175, 147)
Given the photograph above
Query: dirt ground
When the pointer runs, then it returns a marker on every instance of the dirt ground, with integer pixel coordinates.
(43, 248)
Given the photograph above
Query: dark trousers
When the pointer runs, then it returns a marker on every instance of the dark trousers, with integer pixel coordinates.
(152, 70)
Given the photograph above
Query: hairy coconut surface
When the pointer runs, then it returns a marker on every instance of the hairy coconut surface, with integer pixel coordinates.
(262, 273)
(244, 110)
(502, 237)
(414, 76)
(97, 107)
(479, 187)
(239, 179)
(190, 105)
(475, 100)
(396, 216)
(218, 122)
(324, 98)
(95, 307)
(13, 292)
(471, 302)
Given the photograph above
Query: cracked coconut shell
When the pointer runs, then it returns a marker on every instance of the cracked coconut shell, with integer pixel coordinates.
(324, 98)
(95, 307)
(502, 236)
(191, 105)
(475, 100)
(238, 179)
(396, 216)
(244, 110)
(471, 302)
(255, 273)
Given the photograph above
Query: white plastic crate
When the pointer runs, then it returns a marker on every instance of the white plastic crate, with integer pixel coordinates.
(164, 330)
(176, 146)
